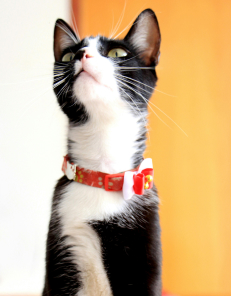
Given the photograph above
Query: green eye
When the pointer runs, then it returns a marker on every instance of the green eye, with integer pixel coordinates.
(68, 57)
(117, 53)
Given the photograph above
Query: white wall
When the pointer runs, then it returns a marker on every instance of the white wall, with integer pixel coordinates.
(32, 139)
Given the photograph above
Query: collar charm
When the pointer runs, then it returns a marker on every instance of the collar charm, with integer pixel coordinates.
(135, 182)
(130, 182)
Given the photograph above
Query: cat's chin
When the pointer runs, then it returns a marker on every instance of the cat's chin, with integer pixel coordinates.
(88, 76)
(89, 88)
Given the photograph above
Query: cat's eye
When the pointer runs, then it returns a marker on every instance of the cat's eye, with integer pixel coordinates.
(117, 53)
(68, 57)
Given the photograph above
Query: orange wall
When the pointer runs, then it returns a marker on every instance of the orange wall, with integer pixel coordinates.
(192, 172)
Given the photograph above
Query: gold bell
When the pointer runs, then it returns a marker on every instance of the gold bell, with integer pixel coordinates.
(149, 178)
(146, 185)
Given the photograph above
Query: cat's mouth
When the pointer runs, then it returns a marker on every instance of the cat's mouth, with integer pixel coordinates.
(85, 74)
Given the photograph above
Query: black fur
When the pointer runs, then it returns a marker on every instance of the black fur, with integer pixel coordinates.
(61, 273)
(131, 251)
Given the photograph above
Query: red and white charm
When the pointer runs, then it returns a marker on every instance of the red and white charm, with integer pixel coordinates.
(68, 168)
(136, 182)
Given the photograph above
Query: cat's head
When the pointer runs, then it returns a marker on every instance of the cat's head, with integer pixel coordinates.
(99, 76)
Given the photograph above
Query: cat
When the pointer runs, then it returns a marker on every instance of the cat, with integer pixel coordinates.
(100, 241)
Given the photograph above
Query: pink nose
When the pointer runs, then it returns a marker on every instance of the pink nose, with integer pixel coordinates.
(87, 54)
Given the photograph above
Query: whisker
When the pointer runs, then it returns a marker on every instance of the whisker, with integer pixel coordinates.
(65, 85)
(63, 105)
(113, 19)
(58, 78)
(61, 90)
(131, 100)
(135, 81)
(147, 104)
(135, 68)
(165, 93)
(68, 32)
(119, 21)
(142, 117)
(74, 22)
(120, 62)
(126, 80)
(168, 117)
(153, 88)
(59, 82)
(152, 103)
(61, 73)
(127, 26)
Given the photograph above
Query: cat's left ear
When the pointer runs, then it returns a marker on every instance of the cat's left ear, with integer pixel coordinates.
(64, 37)
(144, 36)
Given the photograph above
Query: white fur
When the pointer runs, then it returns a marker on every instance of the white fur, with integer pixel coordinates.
(97, 82)
(88, 257)
(104, 143)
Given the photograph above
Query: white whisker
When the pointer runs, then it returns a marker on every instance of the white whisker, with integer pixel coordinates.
(135, 81)
(168, 117)
(119, 21)
(134, 68)
(68, 32)
(131, 22)
(126, 80)
(113, 19)
(142, 117)
(165, 93)
(148, 86)
(74, 23)
(147, 103)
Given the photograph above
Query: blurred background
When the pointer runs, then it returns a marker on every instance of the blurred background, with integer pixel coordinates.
(189, 142)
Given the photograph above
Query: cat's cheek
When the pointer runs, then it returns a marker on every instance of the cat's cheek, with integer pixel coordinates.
(77, 67)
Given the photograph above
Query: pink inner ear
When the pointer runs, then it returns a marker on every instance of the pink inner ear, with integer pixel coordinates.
(64, 37)
(151, 53)
(145, 37)
(57, 43)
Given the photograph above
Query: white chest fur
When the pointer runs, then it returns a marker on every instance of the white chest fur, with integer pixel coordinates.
(106, 143)
(79, 205)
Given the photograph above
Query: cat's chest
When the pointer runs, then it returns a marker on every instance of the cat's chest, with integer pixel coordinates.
(81, 203)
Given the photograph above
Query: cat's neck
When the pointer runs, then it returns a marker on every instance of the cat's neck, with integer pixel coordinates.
(109, 145)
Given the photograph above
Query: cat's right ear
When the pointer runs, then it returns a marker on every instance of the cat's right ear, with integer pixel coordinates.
(64, 37)
(144, 36)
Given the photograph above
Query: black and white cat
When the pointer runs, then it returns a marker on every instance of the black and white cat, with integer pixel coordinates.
(98, 242)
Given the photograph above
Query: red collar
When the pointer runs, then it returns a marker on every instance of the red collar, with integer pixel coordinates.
(109, 182)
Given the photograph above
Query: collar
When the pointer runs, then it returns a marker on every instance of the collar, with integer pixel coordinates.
(130, 182)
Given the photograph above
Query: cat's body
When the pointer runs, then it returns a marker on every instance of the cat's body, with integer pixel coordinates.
(98, 243)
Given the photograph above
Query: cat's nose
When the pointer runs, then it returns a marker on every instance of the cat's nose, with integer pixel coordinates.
(87, 54)
(84, 53)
